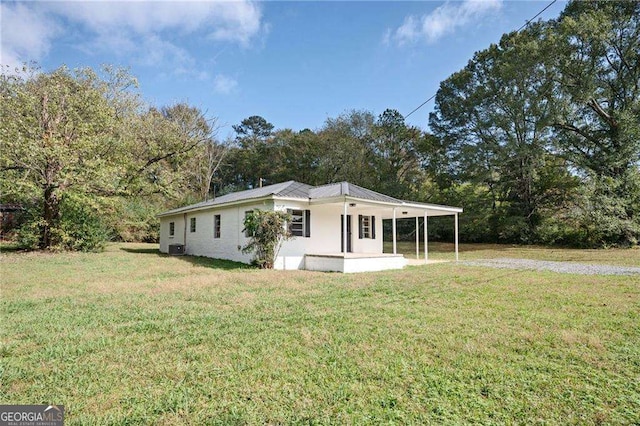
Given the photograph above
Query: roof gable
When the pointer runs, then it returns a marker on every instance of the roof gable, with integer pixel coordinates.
(348, 189)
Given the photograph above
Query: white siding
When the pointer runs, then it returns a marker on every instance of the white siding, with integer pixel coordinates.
(232, 239)
(178, 236)
(291, 255)
(325, 228)
(367, 245)
(325, 233)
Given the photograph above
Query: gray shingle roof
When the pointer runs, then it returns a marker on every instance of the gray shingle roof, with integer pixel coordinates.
(346, 188)
(295, 190)
(292, 189)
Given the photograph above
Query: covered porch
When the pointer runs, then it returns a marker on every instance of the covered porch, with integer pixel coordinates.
(419, 214)
(362, 250)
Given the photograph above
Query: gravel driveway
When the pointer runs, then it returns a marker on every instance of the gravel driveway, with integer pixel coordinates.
(561, 267)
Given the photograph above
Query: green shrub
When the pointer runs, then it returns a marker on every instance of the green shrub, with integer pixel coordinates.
(134, 220)
(28, 235)
(80, 227)
(267, 230)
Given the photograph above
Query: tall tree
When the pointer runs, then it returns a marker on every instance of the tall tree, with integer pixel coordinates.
(597, 57)
(394, 146)
(253, 137)
(59, 134)
(161, 143)
(597, 54)
(299, 156)
(346, 142)
(496, 115)
(75, 142)
(253, 130)
(204, 164)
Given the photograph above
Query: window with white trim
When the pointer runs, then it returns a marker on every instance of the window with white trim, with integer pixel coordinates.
(300, 223)
(296, 225)
(366, 226)
(192, 227)
(172, 229)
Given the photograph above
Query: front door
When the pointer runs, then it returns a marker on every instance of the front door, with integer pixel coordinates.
(348, 233)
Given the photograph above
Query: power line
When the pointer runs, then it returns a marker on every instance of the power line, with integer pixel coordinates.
(518, 30)
(538, 14)
(420, 106)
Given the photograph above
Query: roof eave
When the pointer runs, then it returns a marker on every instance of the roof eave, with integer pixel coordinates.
(422, 206)
(350, 198)
(427, 206)
(215, 206)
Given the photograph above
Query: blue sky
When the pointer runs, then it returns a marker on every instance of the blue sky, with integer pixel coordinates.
(294, 63)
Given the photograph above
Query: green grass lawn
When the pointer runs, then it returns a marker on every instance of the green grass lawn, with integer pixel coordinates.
(130, 336)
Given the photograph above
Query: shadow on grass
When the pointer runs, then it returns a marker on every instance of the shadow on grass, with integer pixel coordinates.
(206, 262)
(10, 246)
(143, 251)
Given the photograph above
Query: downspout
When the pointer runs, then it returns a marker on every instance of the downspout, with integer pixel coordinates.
(184, 239)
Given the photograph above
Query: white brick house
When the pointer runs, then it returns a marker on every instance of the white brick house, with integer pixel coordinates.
(320, 214)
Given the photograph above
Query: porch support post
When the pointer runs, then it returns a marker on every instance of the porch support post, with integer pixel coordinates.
(344, 229)
(456, 232)
(417, 239)
(393, 227)
(426, 246)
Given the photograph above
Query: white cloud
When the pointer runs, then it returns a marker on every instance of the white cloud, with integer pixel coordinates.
(224, 85)
(241, 21)
(441, 21)
(141, 30)
(26, 35)
(234, 21)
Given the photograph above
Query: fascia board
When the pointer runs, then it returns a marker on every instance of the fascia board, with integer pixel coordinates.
(433, 207)
(218, 206)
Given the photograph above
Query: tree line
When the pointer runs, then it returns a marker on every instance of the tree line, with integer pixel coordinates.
(89, 161)
(537, 137)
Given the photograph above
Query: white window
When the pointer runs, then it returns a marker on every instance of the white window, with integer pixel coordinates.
(172, 229)
(367, 227)
(193, 224)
